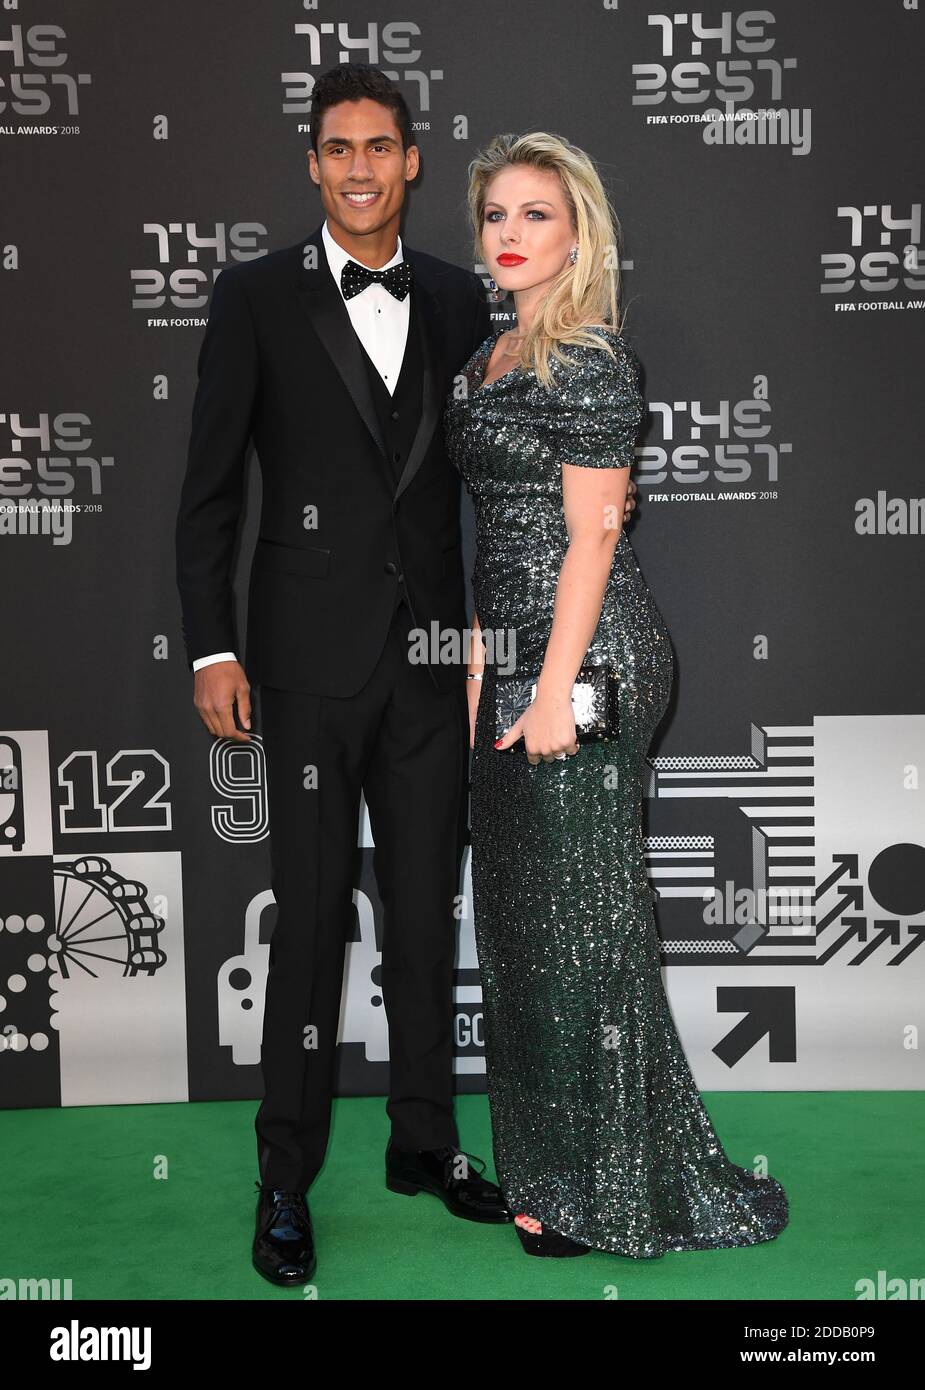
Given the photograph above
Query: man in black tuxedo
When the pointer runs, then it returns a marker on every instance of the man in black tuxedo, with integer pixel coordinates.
(336, 355)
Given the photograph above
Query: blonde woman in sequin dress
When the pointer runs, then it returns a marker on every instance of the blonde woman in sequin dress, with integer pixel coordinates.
(600, 1136)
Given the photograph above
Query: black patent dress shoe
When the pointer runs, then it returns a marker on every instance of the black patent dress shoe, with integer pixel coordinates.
(449, 1175)
(284, 1244)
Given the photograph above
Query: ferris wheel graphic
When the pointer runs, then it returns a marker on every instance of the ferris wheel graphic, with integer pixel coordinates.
(104, 925)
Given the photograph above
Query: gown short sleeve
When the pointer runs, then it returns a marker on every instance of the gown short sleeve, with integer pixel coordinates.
(597, 406)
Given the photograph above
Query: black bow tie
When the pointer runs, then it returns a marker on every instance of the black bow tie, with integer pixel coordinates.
(355, 277)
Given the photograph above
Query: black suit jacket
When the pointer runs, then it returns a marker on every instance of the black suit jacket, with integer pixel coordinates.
(280, 362)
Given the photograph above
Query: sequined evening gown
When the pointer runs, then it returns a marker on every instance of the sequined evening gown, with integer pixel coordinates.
(598, 1127)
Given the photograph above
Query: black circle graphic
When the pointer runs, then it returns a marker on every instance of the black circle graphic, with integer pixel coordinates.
(897, 879)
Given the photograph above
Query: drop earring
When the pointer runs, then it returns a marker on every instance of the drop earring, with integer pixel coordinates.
(573, 255)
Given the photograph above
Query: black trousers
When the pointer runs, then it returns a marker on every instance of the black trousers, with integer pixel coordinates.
(406, 745)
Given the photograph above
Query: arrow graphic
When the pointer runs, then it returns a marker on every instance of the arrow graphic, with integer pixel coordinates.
(770, 1010)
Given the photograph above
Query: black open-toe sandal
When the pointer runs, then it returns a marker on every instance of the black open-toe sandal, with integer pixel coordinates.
(549, 1243)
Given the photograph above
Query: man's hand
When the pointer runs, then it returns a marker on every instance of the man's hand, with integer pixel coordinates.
(215, 690)
(630, 501)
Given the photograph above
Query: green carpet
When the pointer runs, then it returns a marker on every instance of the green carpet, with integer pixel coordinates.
(157, 1201)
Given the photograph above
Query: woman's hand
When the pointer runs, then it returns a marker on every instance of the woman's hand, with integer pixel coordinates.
(630, 504)
(547, 727)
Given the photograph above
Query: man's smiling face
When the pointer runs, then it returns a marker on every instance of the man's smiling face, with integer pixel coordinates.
(361, 168)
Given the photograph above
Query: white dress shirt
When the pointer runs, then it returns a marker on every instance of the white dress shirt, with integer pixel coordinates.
(380, 321)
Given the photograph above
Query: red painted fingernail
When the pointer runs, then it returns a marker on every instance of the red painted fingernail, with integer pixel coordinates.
(497, 743)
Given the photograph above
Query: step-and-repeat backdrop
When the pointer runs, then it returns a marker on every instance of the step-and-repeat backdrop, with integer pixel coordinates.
(764, 166)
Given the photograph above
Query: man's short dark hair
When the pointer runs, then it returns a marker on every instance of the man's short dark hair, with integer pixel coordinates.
(354, 82)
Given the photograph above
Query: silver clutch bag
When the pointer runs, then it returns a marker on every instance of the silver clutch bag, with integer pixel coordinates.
(595, 702)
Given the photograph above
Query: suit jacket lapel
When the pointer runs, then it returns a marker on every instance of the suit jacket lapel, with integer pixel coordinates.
(323, 304)
(430, 318)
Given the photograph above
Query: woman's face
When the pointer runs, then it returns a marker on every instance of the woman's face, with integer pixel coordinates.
(526, 231)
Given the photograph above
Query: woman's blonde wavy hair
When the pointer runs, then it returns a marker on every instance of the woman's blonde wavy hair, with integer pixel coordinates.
(581, 294)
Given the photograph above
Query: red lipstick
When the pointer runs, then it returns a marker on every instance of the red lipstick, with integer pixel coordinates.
(509, 258)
